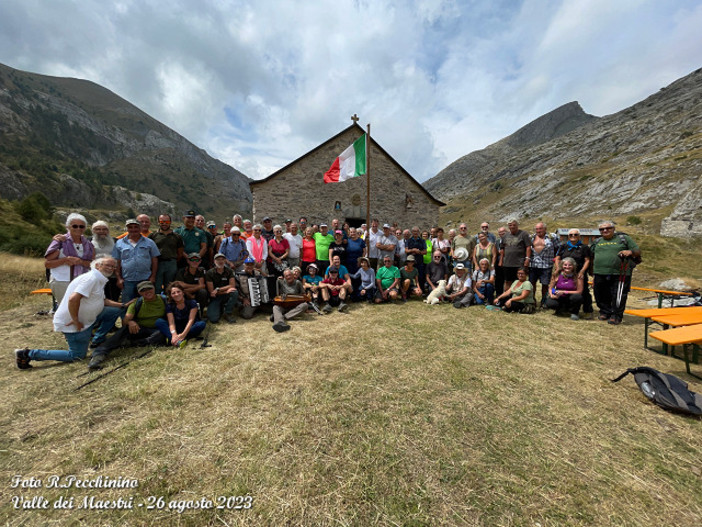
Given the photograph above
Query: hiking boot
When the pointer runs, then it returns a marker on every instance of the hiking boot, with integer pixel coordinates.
(327, 308)
(587, 316)
(574, 317)
(615, 321)
(342, 307)
(95, 343)
(281, 326)
(603, 317)
(22, 358)
(229, 318)
(270, 318)
(457, 304)
(96, 361)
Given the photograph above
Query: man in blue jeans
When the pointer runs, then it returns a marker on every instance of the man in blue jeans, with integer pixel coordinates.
(83, 308)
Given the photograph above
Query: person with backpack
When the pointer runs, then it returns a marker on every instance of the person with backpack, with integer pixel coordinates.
(614, 257)
(139, 324)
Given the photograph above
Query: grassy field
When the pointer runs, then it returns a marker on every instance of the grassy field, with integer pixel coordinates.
(388, 415)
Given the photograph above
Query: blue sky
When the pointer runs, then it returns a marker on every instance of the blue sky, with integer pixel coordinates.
(258, 84)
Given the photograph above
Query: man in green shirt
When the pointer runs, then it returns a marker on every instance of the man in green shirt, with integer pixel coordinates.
(388, 281)
(138, 326)
(613, 256)
(194, 239)
(322, 240)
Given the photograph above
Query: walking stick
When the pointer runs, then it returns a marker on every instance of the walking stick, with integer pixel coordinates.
(622, 281)
(105, 374)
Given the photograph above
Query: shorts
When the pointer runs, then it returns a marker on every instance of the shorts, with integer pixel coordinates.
(540, 275)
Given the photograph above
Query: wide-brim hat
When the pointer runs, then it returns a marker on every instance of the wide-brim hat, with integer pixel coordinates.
(461, 254)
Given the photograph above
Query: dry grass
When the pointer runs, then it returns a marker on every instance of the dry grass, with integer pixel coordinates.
(389, 415)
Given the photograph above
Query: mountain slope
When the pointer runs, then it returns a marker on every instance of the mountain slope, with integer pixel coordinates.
(644, 160)
(80, 143)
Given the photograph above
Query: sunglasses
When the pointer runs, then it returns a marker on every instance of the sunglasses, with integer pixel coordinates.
(602, 229)
(77, 226)
(573, 235)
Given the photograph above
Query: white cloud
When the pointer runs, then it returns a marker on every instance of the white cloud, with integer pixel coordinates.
(257, 84)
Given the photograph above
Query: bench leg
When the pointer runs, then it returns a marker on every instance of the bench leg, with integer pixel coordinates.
(687, 359)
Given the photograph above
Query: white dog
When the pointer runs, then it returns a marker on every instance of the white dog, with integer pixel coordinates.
(437, 294)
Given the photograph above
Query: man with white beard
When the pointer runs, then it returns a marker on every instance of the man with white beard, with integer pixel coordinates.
(83, 308)
(104, 243)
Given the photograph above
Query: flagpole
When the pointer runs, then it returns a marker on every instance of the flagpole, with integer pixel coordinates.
(368, 223)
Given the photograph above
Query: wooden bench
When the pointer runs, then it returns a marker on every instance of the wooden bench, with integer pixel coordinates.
(683, 336)
(662, 293)
(655, 314)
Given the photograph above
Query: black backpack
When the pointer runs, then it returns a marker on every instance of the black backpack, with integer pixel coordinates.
(667, 391)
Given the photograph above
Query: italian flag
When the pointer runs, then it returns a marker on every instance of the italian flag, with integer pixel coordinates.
(351, 163)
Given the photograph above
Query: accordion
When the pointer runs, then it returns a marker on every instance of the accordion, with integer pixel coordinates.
(258, 291)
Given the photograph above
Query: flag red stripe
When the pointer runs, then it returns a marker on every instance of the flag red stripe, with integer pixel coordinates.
(332, 175)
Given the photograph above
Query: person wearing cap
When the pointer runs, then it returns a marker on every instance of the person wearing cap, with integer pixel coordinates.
(246, 310)
(387, 281)
(191, 279)
(221, 286)
(386, 243)
(194, 239)
(287, 285)
(343, 273)
(267, 230)
(338, 246)
(334, 290)
(310, 282)
(365, 274)
(323, 240)
(170, 245)
(409, 279)
(234, 249)
(458, 289)
(83, 309)
(288, 224)
(144, 223)
(137, 260)
(138, 326)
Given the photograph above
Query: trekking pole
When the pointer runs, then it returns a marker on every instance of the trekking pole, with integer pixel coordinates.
(206, 337)
(622, 281)
(120, 366)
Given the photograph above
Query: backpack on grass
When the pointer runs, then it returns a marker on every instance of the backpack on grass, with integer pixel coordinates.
(665, 390)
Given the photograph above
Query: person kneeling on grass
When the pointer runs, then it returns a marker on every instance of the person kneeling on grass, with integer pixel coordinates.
(566, 290)
(387, 280)
(182, 320)
(334, 291)
(409, 279)
(83, 308)
(138, 326)
(310, 282)
(519, 298)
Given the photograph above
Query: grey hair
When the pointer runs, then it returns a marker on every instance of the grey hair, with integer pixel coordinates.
(257, 226)
(236, 216)
(569, 259)
(276, 227)
(100, 261)
(484, 260)
(607, 223)
(100, 223)
(75, 216)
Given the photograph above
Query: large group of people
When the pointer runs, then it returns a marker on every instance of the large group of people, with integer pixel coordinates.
(165, 284)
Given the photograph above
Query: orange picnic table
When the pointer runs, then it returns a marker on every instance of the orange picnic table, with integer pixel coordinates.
(682, 336)
(660, 315)
(662, 293)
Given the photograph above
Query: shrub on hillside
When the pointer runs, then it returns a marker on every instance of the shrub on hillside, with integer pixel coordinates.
(34, 208)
